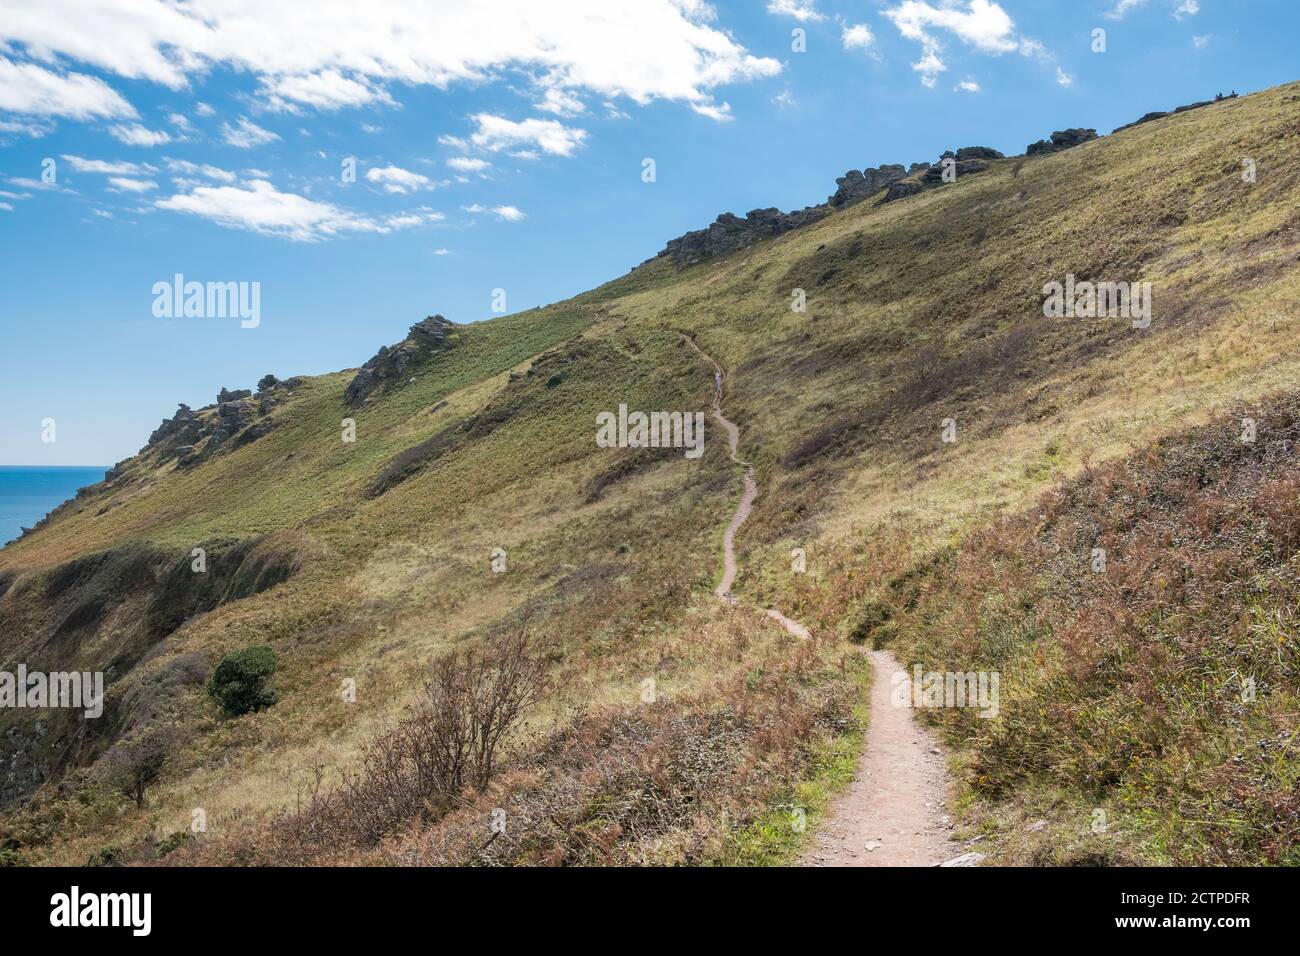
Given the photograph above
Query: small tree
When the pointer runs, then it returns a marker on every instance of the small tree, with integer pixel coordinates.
(240, 682)
(136, 763)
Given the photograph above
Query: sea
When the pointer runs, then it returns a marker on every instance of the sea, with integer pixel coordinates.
(29, 493)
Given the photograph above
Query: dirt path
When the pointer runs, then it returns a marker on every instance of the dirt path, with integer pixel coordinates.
(747, 496)
(893, 812)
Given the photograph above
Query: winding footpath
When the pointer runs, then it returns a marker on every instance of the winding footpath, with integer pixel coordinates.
(892, 814)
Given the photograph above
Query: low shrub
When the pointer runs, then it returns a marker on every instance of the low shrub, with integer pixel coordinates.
(239, 684)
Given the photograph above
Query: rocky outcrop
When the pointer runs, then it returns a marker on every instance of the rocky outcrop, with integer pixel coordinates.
(1061, 140)
(978, 152)
(1148, 117)
(191, 437)
(390, 364)
(729, 232)
(855, 186)
(966, 161)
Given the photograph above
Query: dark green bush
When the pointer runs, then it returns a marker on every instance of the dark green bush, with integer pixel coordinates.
(239, 684)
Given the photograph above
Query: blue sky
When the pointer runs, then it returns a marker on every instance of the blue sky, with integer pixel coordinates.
(498, 144)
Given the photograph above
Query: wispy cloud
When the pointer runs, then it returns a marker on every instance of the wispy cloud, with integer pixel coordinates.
(259, 207)
(246, 134)
(507, 213)
(466, 164)
(123, 185)
(133, 134)
(802, 10)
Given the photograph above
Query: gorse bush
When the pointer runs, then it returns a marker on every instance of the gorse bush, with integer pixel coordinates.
(239, 684)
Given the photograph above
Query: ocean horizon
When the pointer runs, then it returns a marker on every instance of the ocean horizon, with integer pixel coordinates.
(29, 492)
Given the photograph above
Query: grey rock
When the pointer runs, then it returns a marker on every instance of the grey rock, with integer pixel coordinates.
(1061, 140)
(978, 152)
(966, 859)
(426, 337)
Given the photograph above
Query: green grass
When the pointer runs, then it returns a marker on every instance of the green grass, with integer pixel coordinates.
(786, 828)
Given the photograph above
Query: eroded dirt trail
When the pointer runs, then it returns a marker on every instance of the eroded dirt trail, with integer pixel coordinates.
(747, 496)
(893, 812)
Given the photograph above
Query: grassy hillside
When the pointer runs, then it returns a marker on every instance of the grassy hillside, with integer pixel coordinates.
(370, 559)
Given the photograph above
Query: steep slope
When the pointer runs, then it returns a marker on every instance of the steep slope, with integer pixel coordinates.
(371, 557)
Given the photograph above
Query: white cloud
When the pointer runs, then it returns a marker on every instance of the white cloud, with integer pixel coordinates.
(133, 134)
(6, 207)
(442, 252)
(857, 36)
(123, 185)
(346, 54)
(181, 122)
(1063, 78)
(1200, 42)
(82, 165)
(187, 168)
(203, 109)
(496, 133)
(981, 24)
(324, 90)
(721, 112)
(259, 207)
(529, 154)
(561, 103)
(246, 134)
(1122, 7)
(394, 179)
(467, 165)
(785, 99)
(1188, 8)
(966, 86)
(35, 128)
(801, 10)
(508, 213)
(929, 66)
(34, 90)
